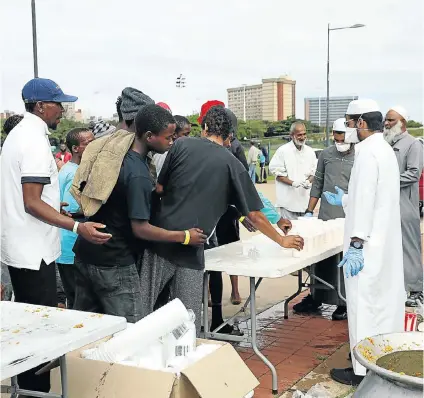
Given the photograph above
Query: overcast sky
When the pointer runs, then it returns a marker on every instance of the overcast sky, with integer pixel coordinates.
(93, 49)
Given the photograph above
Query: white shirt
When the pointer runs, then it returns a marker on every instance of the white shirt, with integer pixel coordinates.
(158, 161)
(376, 296)
(297, 165)
(27, 157)
(252, 155)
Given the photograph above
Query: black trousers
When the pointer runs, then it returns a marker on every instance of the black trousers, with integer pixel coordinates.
(67, 275)
(35, 287)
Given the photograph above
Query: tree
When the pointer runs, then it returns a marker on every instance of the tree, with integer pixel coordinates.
(195, 128)
(413, 124)
(63, 127)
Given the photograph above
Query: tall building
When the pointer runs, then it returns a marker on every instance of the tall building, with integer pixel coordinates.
(6, 114)
(273, 100)
(69, 110)
(78, 115)
(246, 100)
(316, 108)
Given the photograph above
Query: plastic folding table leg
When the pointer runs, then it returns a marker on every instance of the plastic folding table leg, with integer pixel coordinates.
(253, 337)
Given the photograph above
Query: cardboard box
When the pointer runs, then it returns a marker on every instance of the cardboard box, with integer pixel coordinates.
(222, 374)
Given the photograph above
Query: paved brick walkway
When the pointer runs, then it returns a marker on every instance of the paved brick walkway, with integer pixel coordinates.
(295, 346)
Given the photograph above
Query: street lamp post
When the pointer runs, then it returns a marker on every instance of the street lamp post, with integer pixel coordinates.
(327, 121)
(34, 38)
(244, 102)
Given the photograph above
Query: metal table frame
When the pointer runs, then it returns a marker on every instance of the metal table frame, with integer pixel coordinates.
(14, 389)
(252, 339)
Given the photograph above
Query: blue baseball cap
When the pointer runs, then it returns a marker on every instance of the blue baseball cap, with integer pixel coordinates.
(44, 90)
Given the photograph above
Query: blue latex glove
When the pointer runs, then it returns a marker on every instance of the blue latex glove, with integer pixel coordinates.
(308, 215)
(269, 211)
(353, 262)
(334, 199)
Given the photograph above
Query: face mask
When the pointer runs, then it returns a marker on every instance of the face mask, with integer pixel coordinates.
(392, 133)
(351, 135)
(342, 147)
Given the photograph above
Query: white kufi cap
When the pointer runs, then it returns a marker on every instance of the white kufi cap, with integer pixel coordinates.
(339, 125)
(361, 106)
(400, 110)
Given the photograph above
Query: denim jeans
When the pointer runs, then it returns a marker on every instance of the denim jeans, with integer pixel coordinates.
(252, 172)
(108, 290)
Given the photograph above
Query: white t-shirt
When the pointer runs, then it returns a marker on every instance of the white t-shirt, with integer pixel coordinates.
(27, 157)
(158, 161)
(297, 165)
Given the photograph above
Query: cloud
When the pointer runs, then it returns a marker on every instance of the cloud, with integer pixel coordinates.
(94, 49)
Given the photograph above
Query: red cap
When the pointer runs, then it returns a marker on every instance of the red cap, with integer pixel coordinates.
(205, 108)
(164, 106)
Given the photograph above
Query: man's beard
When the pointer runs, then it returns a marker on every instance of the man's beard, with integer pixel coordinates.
(393, 132)
(298, 143)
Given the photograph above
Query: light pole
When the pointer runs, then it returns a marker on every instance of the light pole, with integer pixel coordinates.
(244, 102)
(327, 121)
(34, 38)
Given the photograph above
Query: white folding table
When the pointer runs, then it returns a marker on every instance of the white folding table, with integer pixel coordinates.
(259, 257)
(32, 335)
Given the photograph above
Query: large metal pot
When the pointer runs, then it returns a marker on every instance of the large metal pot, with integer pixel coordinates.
(380, 382)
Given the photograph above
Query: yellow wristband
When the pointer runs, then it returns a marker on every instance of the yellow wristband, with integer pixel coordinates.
(187, 237)
(241, 219)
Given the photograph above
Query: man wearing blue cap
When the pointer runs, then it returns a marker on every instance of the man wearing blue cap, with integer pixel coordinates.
(30, 206)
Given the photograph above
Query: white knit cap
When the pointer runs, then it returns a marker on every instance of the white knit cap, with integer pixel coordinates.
(361, 106)
(339, 125)
(401, 111)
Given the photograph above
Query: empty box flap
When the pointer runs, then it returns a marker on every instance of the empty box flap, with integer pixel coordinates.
(221, 374)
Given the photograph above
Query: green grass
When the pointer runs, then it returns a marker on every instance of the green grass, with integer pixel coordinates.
(416, 132)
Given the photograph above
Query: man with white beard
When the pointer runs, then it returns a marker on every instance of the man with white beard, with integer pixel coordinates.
(293, 165)
(409, 154)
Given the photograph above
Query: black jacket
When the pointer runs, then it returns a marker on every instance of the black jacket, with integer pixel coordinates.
(238, 151)
(227, 230)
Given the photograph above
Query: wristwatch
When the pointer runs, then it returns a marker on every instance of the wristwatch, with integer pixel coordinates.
(309, 212)
(357, 245)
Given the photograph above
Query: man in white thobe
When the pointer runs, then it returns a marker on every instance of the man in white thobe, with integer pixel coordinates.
(409, 154)
(293, 165)
(373, 261)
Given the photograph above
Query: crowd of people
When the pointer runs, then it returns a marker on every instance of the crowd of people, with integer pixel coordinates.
(125, 238)
(117, 222)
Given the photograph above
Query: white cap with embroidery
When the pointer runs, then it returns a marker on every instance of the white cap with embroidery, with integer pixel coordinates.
(361, 106)
(401, 111)
(339, 125)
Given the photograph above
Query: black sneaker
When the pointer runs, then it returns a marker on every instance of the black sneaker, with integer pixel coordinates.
(414, 299)
(308, 304)
(340, 314)
(346, 376)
